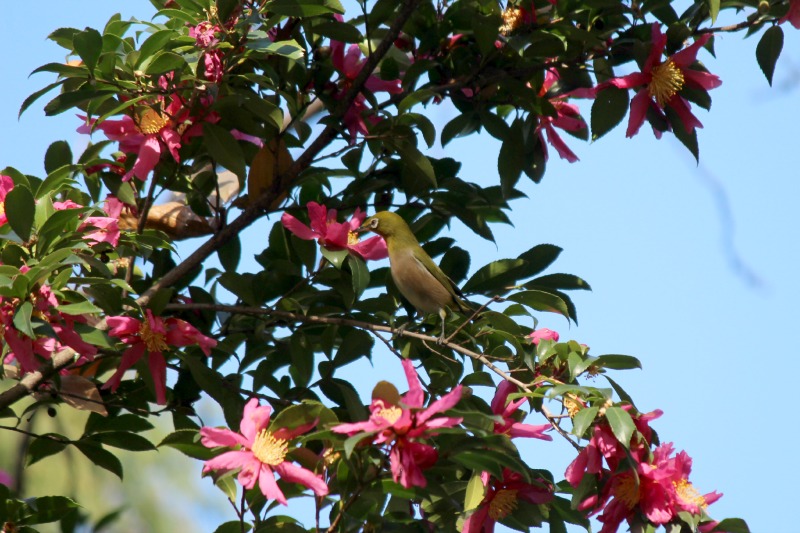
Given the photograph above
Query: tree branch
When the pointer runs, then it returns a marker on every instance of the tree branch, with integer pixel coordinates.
(31, 381)
(296, 317)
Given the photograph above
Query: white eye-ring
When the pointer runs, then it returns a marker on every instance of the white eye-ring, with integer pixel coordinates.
(374, 223)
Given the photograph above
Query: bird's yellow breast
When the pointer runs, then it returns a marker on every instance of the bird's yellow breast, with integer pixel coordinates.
(416, 284)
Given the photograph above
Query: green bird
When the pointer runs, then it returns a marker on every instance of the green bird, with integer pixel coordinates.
(418, 278)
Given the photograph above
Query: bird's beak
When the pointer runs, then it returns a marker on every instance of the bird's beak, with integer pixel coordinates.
(362, 229)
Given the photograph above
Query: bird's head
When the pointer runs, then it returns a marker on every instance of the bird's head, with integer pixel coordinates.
(386, 224)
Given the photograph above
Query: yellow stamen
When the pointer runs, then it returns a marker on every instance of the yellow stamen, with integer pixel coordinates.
(689, 494)
(667, 79)
(268, 449)
(503, 504)
(512, 20)
(573, 404)
(627, 490)
(390, 414)
(352, 238)
(154, 341)
(150, 121)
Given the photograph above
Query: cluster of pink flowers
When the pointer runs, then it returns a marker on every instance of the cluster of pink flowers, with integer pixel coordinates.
(502, 496)
(152, 337)
(349, 64)
(205, 35)
(24, 349)
(568, 117)
(259, 453)
(403, 424)
(335, 235)
(635, 481)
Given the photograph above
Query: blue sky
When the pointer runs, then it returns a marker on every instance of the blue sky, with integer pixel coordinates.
(692, 267)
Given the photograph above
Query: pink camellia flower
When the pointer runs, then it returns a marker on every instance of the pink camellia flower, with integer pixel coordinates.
(568, 118)
(793, 15)
(510, 426)
(260, 453)
(5, 478)
(401, 422)
(543, 334)
(212, 63)
(106, 229)
(151, 132)
(335, 235)
(659, 489)
(152, 336)
(661, 82)
(6, 184)
(349, 64)
(204, 34)
(604, 445)
(502, 498)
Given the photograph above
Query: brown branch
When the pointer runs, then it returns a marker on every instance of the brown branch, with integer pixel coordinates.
(296, 317)
(31, 381)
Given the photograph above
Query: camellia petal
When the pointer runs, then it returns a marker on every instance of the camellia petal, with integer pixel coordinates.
(269, 487)
(297, 474)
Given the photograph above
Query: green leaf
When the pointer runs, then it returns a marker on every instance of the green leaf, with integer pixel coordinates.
(124, 440)
(88, 44)
(187, 442)
(511, 159)
(541, 301)
(621, 424)
(583, 419)
(22, 319)
(305, 8)
(359, 274)
(232, 526)
(608, 110)
(122, 422)
(732, 525)
(165, 62)
(689, 140)
(618, 362)
(566, 282)
(769, 50)
(20, 210)
(301, 414)
(224, 149)
(713, 9)
(50, 508)
(58, 155)
(101, 457)
(336, 257)
(352, 442)
(45, 446)
(491, 277)
(229, 254)
(475, 492)
(339, 31)
(219, 389)
(418, 166)
(80, 308)
(38, 94)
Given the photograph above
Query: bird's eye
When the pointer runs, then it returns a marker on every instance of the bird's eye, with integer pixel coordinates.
(374, 223)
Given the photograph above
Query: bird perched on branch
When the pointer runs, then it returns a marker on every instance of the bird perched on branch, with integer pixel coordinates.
(418, 278)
